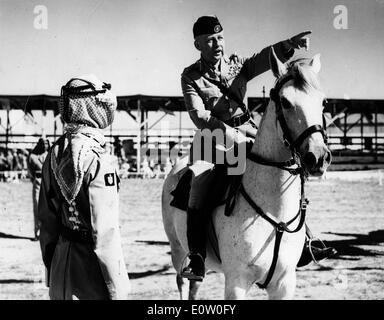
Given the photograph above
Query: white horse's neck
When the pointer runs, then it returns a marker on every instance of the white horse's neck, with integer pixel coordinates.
(269, 143)
(276, 191)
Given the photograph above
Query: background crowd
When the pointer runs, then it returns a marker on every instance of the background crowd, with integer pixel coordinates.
(14, 164)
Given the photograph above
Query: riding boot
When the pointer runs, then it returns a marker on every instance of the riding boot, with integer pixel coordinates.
(317, 254)
(197, 245)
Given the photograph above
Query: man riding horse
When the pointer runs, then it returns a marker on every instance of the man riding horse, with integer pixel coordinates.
(214, 88)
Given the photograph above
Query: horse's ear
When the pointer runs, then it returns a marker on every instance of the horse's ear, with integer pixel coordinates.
(278, 68)
(315, 63)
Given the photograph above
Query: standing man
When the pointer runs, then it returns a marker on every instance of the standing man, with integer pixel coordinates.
(79, 205)
(214, 88)
(35, 164)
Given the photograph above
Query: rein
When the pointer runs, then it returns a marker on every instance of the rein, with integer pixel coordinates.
(281, 227)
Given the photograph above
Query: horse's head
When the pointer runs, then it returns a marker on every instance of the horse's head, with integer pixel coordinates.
(299, 108)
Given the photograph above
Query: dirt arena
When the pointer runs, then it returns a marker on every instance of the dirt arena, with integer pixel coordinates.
(346, 210)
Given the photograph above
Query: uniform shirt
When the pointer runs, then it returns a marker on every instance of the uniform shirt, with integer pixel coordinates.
(205, 103)
(82, 270)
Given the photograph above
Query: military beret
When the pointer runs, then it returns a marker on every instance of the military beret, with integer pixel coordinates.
(206, 25)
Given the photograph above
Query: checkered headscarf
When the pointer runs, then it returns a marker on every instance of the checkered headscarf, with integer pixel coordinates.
(87, 106)
(88, 101)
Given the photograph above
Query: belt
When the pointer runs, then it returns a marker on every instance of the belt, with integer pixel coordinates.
(239, 120)
(84, 237)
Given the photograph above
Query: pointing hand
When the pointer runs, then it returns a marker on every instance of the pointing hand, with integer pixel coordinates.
(299, 41)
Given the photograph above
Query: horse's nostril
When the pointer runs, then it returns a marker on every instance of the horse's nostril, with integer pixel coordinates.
(310, 160)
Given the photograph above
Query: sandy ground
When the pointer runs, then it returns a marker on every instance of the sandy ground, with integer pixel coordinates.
(346, 210)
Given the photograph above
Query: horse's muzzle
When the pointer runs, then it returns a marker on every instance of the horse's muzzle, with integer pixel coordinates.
(317, 160)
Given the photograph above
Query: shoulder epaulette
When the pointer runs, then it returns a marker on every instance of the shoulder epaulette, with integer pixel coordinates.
(194, 67)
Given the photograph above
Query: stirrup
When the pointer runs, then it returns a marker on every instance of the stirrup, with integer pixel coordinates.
(186, 271)
(313, 256)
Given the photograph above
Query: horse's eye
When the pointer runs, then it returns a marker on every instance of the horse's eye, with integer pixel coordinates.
(285, 103)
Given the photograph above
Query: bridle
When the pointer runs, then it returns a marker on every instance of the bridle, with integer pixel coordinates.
(293, 145)
(289, 142)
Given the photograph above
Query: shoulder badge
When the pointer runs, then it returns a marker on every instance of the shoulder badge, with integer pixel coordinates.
(109, 179)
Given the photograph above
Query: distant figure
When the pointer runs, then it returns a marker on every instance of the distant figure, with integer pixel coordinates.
(118, 148)
(157, 171)
(79, 200)
(124, 169)
(35, 165)
(147, 171)
(23, 159)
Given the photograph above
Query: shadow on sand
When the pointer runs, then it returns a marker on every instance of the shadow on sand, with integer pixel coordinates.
(348, 249)
(137, 275)
(11, 236)
(132, 275)
(13, 281)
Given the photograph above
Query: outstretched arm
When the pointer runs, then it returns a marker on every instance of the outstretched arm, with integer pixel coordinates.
(259, 62)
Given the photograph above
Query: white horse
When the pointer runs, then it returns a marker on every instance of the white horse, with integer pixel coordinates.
(246, 239)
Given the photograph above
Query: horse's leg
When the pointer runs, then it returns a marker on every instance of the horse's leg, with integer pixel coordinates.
(181, 285)
(236, 288)
(193, 288)
(178, 255)
(284, 287)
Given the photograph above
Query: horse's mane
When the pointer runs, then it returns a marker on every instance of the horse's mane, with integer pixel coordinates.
(303, 76)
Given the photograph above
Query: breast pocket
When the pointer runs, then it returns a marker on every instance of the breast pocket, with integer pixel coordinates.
(210, 96)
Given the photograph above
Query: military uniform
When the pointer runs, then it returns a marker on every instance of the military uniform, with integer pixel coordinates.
(79, 204)
(206, 104)
(210, 108)
(81, 242)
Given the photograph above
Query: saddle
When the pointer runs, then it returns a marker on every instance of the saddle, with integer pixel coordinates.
(227, 186)
(223, 193)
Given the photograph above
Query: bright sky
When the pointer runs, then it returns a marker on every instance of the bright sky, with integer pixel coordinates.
(142, 46)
